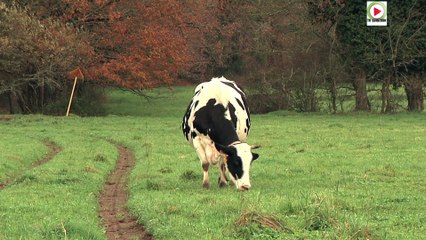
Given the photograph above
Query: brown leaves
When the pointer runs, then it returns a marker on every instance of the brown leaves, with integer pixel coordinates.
(133, 43)
(39, 50)
(138, 44)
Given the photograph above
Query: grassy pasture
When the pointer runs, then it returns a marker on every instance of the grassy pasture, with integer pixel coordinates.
(353, 176)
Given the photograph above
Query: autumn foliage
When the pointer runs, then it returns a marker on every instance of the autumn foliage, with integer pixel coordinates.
(131, 44)
(286, 50)
(138, 44)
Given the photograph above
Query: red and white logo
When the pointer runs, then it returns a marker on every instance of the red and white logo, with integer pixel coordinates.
(377, 11)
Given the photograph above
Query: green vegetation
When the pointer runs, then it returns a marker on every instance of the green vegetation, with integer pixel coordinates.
(61, 195)
(160, 102)
(352, 176)
(339, 177)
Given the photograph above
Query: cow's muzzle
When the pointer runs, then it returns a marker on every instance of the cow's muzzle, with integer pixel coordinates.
(244, 187)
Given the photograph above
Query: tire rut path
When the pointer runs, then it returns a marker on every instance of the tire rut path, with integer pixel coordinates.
(53, 150)
(116, 218)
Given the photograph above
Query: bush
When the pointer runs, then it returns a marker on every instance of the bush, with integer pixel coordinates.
(36, 55)
(264, 103)
(89, 100)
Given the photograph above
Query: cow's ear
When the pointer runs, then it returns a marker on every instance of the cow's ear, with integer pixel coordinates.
(225, 149)
(255, 156)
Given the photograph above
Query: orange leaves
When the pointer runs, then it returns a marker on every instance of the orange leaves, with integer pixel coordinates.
(133, 43)
(114, 15)
(141, 45)
(101, 2)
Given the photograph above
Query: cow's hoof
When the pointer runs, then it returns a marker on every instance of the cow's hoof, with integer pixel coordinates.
(222, 184)
(206, 185)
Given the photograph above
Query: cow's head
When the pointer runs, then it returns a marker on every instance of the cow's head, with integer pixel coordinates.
(238, 161)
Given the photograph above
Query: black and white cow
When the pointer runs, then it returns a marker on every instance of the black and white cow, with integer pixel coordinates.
(217, 123)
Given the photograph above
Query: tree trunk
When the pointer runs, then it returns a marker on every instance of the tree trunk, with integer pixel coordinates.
(414, 91)
(333, 92)
(284, 98)
(42, 97)
(13, 103)
(361, 99)
(387, 101)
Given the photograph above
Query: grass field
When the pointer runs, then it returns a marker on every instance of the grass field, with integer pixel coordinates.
(352, 176)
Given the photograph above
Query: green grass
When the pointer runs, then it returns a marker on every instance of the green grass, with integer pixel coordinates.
(161, 102)
(352, 176)
(323, 176)
(11, 161)
(61, 194)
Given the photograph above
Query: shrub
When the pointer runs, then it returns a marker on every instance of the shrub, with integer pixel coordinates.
(88, 101)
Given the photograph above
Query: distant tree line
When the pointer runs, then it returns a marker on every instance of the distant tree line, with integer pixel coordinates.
(290, 55)
(393, 56)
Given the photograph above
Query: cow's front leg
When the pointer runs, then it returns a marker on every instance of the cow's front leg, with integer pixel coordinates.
(206, 183)
(222, 177)
(211, 158)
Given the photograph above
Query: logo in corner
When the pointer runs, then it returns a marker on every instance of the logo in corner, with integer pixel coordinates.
(377, 13)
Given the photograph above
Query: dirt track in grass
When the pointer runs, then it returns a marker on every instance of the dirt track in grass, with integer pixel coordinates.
(53, 150)
(118, 222)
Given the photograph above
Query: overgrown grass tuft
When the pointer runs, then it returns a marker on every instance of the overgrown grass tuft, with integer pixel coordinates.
(320, 214)
(190, 176)
(254, 224)
(152, 185)
(100, 158)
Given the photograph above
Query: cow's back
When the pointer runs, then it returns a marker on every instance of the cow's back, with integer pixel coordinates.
(222, 94)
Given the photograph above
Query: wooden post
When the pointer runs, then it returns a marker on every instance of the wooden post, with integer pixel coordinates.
(72, 95)
(76, 73)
